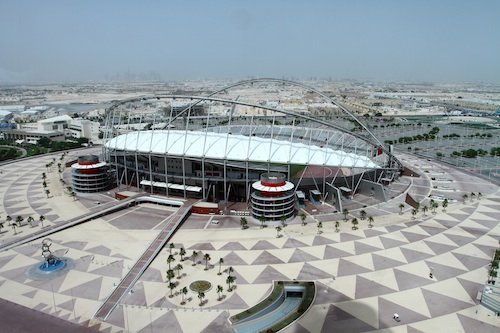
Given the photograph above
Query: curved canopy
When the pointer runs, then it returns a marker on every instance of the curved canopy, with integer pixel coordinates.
(210, 145)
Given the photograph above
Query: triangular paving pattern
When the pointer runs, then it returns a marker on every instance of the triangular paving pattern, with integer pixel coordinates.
(30, 294)
(431, 230)
(440, 304)
(394, 227)
(112, 270)
(408, 281)
(301, 256)
(477, 232)
(152, 274)
(166, 320)
(117, 317)
(332, 252)
(263, 245)
(346, 237)
(203, 247)
(325, 294)
(6, 259)
(459, 217)
(103, 250)
(320, 240)
(472, 288)
(386, 309)
(373, 232)
(233, 246)
(364, 248)
(234, 301)
(489, 250)
(310, 272)
(68, 305)
(268, 275)
(413, 237)
(446, 223)
(76, 245)
(438, 246)
(266, 258)
(471, 325)
(349, 268)
(443, 272)
(338, 320)
(471, 263)
(412, 255)
(459, 240)
(293, 243)
(369, 288)
(390, 242)
(220, 324)
(88, 290)
(490, 224)
(232, 259)
(382, 262)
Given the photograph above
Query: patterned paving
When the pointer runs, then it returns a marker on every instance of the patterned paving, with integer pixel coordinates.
(363, 277)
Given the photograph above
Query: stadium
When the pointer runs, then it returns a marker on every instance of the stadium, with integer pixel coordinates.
(217, 146)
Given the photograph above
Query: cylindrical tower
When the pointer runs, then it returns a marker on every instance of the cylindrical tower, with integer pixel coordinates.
(273, 197)
(90, 175)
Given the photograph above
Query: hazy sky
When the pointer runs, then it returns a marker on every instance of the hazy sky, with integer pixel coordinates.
(444, 41)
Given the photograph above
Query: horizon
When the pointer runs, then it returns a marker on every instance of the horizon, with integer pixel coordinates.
(449, 42)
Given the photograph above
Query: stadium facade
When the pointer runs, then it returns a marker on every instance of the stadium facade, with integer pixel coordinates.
(218, 156)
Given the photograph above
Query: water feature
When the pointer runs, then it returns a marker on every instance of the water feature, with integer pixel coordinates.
(52, 265)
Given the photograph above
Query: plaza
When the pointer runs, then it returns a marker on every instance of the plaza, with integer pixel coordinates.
(362, 276)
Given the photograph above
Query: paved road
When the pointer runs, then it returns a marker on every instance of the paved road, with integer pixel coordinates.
(16, 318)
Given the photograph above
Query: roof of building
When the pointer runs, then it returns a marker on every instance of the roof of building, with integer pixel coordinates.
(64, 117)
(235, 148)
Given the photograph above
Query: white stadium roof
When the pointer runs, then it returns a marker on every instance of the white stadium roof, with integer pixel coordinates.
(233, 147)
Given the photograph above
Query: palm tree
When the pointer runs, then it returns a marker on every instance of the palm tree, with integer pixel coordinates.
(465, 197)
(170, 260)
(230, 270)
(362, 214)
(184, 292)
(303, 218)
(207, 258)
(283, 221)
(201, 296)
(171, 286)
(345, 212)
(170, 275)
(19, 220)
(14, 225)
(8, 218)
(319, 225)
(414, 212)
(182, 253)
(219, 291)
(171, 246)
(221, 261)
(337, 224)
(262, 220)
(47, 192)
(1, 226)
(472, 196)
(73, 194)
(370, 221)
(230, 279)
(278, 229)
(479, 195)
(30, 221)
(44, 184)
(44, 175)
(401, 207)
(193, 257)
(434, 206)
(445, 204)
(243, 223)
(425, 209)
(179, 269)
(354, 223)
(41, 218)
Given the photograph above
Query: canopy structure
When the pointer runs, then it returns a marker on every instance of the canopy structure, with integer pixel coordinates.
(232, 147)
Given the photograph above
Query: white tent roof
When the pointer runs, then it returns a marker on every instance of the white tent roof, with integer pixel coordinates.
(235, 148)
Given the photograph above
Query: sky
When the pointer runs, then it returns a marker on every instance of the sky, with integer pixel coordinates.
(384, 40)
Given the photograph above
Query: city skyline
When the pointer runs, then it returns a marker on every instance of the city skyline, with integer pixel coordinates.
(58, 41)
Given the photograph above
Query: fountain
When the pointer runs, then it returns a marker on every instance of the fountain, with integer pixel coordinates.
(52, 265)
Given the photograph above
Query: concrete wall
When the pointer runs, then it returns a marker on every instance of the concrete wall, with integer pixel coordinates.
(369, 188)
